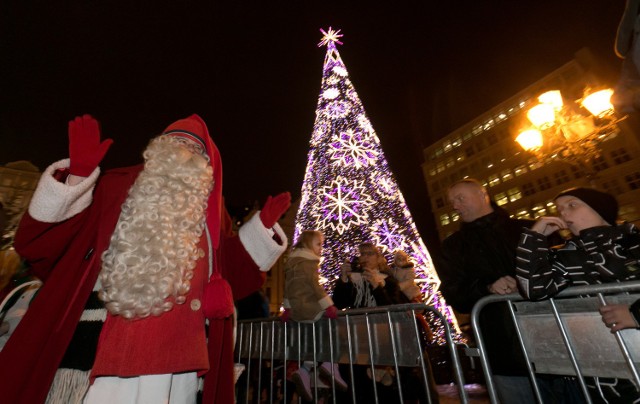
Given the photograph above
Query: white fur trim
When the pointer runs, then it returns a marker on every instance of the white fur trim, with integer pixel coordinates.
(325, 302)
(259, 242)
(54, 201)
(94, 315)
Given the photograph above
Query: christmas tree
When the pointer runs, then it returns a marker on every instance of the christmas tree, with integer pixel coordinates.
(349, 193)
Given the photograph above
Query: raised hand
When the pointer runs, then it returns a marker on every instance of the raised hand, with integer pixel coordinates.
(85, 149)
(273, 208)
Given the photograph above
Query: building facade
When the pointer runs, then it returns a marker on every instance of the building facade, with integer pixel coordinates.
(485, 149)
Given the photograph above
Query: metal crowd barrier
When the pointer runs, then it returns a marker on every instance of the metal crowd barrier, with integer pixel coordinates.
(565, 336)
(358, 339)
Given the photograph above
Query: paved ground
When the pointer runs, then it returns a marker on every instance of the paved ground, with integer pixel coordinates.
(449, 394)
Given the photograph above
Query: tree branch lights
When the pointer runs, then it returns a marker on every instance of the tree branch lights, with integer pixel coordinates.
(349, 193)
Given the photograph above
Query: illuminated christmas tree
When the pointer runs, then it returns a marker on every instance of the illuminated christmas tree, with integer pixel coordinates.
(349, 192)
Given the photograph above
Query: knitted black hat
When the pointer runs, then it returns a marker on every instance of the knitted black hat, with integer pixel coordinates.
(604, 204)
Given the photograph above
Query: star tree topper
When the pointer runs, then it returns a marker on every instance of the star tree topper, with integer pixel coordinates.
(330, 36)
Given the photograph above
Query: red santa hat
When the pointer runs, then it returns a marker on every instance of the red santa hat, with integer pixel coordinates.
(194, 129)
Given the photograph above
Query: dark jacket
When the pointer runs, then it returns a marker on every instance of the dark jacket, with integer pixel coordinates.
(599, 255)
(477, 255)
(345, 294)
(473, 258)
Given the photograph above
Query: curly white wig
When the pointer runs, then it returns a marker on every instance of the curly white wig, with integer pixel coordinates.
(154, 248)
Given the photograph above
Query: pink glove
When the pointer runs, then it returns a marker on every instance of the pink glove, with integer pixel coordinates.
(274, 208)
(331, 312)
(85, 149)
(286, 314)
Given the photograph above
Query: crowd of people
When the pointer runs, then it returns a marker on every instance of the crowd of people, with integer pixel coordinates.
(127, 266)
(130, 276)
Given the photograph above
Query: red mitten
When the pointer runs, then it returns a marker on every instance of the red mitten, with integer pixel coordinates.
(273, 208)
(85, 149)
(217, 298)
(331, 312)
(286, 314)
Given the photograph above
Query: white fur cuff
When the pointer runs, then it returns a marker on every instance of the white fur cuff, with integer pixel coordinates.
(325, 302)
(54, 201)
(259, 242)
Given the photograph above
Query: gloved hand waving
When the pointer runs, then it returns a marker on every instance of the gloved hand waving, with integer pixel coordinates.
(274, 208)
(85, 149)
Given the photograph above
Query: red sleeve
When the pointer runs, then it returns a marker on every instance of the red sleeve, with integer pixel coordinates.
(238, 268)
(42, 244)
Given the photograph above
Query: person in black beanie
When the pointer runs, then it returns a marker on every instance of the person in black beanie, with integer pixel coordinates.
(599, 250)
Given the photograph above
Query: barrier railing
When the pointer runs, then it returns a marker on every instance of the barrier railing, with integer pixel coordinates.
(358, 340)
(565, 336)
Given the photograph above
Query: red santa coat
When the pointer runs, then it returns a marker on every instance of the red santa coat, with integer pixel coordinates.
(64, 251)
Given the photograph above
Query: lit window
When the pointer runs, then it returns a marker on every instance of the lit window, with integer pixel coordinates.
(540, 213)
(450, 162)
(444, 219)
(447, 146)
(501, 199)
(514, 194)
(520, 170)
(456, 142)
(432, 172)
(455, 217)
(506, 175)
(440, 167)
(533, 164)
(460, 157)
(494, 180)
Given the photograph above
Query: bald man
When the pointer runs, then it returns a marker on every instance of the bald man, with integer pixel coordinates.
(478, 260)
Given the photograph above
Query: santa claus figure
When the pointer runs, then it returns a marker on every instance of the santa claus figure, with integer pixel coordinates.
(135, 262)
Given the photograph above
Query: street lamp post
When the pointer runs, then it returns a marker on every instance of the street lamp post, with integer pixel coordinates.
(561, 132)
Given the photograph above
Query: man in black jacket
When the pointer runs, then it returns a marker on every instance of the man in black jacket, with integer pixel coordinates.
(478, 260)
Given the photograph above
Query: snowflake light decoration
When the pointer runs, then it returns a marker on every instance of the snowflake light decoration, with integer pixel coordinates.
(352, 148)
(388, 235)
(330, 93)
(385, 184)
(340, 71)
(344, 203)
(337, 109)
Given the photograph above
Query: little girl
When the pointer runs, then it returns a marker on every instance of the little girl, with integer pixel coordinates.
(306, 300)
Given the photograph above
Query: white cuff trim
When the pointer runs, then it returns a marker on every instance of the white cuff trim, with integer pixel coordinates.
(259, 242)
(325, 302)
(54, 201)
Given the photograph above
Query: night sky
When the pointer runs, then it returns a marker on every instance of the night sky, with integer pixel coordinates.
(252, 70)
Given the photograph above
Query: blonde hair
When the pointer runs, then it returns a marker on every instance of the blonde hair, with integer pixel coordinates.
(306, 239)
(154, 247)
